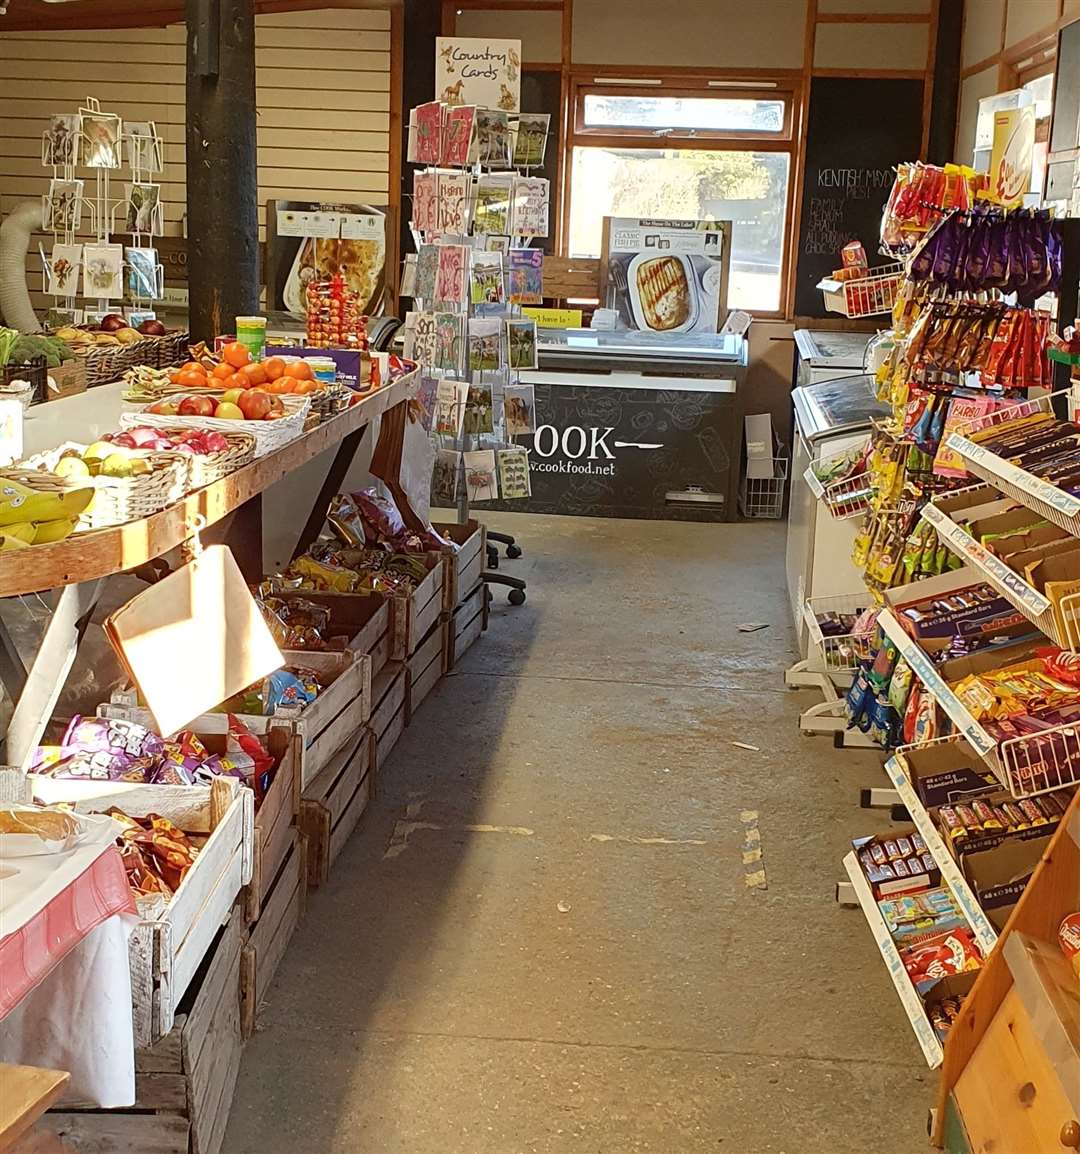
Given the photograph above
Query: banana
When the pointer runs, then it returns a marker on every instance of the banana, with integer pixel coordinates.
(48, 531)
(28, 496)
(10, 544)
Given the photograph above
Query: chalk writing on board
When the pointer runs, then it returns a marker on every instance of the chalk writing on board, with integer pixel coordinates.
(825, 227)
(856, 183)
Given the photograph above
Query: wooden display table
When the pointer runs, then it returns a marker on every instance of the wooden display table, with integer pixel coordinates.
(1011, 1076)
(26, 1092)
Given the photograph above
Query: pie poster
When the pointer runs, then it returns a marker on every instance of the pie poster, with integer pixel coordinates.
(309, 241)
(666, 276)
(478, 70)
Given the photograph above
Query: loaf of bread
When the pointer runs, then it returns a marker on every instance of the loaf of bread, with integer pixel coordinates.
(47, 824)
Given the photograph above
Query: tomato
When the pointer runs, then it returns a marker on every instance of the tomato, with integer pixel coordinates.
(301, 370)
(256, 374)
(223, 370)
(274, 367)
(236, 354)
(190, 379)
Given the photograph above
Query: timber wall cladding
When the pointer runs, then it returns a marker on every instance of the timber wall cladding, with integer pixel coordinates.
(323, 98)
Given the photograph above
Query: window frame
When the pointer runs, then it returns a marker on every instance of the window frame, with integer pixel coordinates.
(774, 87)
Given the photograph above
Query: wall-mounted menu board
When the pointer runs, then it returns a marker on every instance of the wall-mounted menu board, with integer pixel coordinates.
(858, 130)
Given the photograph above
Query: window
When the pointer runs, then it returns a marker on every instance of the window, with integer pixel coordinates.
(688, 155)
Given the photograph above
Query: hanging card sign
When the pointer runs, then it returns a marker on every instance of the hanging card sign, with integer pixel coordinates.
(477, 70)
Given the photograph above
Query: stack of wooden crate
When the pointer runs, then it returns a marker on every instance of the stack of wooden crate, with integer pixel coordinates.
(465, 594)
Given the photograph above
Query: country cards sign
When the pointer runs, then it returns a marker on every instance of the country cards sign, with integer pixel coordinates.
(476, 70)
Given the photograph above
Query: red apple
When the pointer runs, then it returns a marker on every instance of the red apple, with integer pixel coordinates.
(196, 407)
(254, 404)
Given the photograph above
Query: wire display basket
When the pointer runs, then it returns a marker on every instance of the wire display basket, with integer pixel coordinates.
(762, 498)
(846, 498)
(866, 297)
(826, 619)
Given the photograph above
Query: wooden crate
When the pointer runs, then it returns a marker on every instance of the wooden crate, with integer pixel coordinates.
(334, 802)
(466, 624)
(463, 566)
(363, 620)
(425, 667)
(282, 909)
(184, 1083)
(388, 713)
(171, 940)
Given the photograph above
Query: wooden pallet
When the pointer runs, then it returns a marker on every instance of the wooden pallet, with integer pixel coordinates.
(388, 713)
(184, 1083)
(466, 623)
(332, 805)
(425, 667)
(464, 564)
(282, 909)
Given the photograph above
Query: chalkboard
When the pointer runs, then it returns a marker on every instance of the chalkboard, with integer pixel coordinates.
(858, 130)
(541, 91)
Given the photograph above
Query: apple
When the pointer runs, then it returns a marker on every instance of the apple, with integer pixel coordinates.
(112, 322)
(163, 409)
(139, 438)
(254, 404)
(196, 407)
(216, 442)
(227, 411)
(232, 396)
(152, 328)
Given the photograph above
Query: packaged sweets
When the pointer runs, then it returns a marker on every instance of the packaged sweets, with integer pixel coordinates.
(1069, 940)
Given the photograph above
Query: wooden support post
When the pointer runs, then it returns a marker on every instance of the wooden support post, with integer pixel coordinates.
(222, 170)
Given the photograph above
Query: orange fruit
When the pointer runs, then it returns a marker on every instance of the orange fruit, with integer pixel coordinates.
(222, 371)
(256, 374)
(285, 385)
(301, 370)
(192, 367)
(190, 379)
(236, 354)
(304, 387)
(274, 367)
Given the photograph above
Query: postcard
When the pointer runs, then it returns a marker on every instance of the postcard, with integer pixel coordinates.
(426, 392)
(429, 121)
(444, 478)
(458, 135)
(64, 265)
(514, 473)
(145, 275)
(450, 407)
(61, 207)
(521, 343)
(144, 209)
(449, 341)
(101, 139)
(519, 409)
(530, 139)
(529, 215)
(491, 212)
(479, 410)
(425, 208)
(144, 147)
(453, 202)
(103, 271)
(478, 70)
(492, 138)
(485, 343)
(408, 276)
(59, 142)
(427, 264)
(486, 279)
(526, 276)
(451, 274)
(424, 340)
(480, 482)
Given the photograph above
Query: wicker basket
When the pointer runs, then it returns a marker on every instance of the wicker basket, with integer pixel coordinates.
(164, 352)
(269, 435)
(330, 401)
(118, 500)
(35, 372)
(105, 363)
(205, 469)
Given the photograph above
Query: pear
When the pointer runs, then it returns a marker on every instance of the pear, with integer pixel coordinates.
(117, 465)
(99, 450)
(72, 467)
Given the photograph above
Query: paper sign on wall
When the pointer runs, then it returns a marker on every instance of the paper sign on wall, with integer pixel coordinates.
(477, 70)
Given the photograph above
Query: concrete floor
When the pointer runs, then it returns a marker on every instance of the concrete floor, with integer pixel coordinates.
(557, 984)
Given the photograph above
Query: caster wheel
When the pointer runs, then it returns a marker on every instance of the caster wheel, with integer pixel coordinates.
(516, 596)
(493, 563)
(513, 552)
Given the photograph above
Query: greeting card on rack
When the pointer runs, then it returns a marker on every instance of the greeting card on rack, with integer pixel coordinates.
(100, 138)
(478, 70)
(458, 135)
(485, 343)
(492, 138)
(425, 193)
(425, 340)
(526, 276)
(144, 278)
(453, 202)
(519, 409)
(449, 341)
(450, 407)
(427, 264)
(408, 276)
(429, 120)
(479, 411)
(451, 275)
(444, 478)
(521, 343)
(103, 271)
(144, 146)
(514, 473)
(530, 140)
(61, 208)
(491, 212)
(529, 216)
(59, 141)
(426, 393)
(64, 268)
(144, 209)
(480, 482)
(486, 289)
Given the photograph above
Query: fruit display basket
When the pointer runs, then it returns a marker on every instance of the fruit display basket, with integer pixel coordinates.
(34, 372)
(163, 352)
(118, 500)
(269, 435)
(105, 363)
(205, 468)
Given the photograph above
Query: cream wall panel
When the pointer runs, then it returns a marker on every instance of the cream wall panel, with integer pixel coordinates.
(982, 30)
(324, 119)
(348, 19)
(540, 33)
(874, 6)
(342, 142)
(55, 49)
(1026, 17)
(1072, 8)
(294, 38)
(737, 33)
(972, 90)
(903, 46)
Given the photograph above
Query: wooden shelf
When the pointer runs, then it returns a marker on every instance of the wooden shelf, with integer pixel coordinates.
(87, 556)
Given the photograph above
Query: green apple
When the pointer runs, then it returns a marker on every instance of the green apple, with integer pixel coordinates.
(99, 450)
(231, 396)
(72, 467)
(117, 465)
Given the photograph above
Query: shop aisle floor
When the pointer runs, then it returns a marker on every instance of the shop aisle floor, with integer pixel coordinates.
(562, 981)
